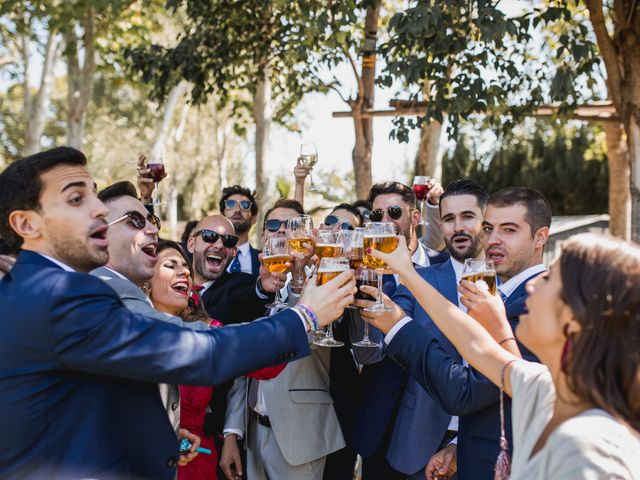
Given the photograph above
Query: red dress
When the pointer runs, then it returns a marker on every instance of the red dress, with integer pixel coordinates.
(193, 406)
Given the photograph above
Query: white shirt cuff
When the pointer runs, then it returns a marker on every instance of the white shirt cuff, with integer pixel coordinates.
(260, 294)
(432, 206)
(236, 431)
(396, 328)
(454, 441)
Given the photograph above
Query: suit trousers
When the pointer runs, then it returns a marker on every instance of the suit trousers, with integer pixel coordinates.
(265, 460)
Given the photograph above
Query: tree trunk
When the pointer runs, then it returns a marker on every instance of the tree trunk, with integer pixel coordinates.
(79, 80)
(619, 175)
(36, 111)
(362, 150)
(262, 116)
(158, 150)
(633, 139)
(428, 162)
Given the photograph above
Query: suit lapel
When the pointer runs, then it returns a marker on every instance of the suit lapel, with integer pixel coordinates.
(445, 280)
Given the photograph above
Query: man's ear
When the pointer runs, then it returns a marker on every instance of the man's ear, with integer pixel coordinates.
(253, 220)
(26, 223)
(415, 217)
(191, 244)
(540, 237)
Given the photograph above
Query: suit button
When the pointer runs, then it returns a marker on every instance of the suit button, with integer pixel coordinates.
(172, 463)
(174, 406)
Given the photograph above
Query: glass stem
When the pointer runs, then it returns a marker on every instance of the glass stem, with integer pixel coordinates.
(366, 332)
(157, 194)
(379, 301)
(311, 178)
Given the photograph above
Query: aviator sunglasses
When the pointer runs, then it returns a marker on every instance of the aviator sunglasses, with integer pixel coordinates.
(394, 211)
(331, 220)
(244, 204)
(137, 220)
(211, 236)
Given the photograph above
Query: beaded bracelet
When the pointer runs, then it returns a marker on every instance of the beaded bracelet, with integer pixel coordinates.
(308, 323)
(311, 313)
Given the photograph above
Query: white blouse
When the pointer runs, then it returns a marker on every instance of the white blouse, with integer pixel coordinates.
(589, 446)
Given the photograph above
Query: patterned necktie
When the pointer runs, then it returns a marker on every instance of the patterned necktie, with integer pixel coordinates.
(235, 263)
(503, 296)
(195, 293)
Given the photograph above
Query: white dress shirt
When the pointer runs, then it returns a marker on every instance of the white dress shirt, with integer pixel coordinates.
(244, 258)
(508, 287)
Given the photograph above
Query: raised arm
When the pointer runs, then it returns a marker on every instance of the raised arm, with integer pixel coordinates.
(473, 342)
(300, 173)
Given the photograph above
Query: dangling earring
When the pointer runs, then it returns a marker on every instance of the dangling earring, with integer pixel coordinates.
(146, 288)
(566, 350)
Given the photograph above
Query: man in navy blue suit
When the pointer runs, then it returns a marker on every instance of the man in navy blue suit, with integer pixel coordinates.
(239, 205)
(379, 426)
(516, 227)
(78, 371)
(421, 424)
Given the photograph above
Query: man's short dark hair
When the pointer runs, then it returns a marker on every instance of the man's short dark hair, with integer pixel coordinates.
(21, 185)
(117, 190)
(350, 208)
(285, 203)
(363, 203)
(188, 228)
(239, 190)
(465, 186)
(538, 209)
(398, 188)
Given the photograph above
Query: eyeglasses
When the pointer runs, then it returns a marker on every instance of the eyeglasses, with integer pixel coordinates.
(137, 220)
(273, 225)
(211, 236)
(244, 204)
(394, 211)
(331, 220)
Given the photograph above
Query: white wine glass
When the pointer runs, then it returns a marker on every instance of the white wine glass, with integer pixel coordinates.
(309, 158)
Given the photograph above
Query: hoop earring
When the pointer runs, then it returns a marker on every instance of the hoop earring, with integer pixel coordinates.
(565, 357)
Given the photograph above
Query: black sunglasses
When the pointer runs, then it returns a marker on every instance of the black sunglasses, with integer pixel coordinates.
(137, 220)
(244, 204)
(331, 220)
(394, 211)
(211, 236)
(273, 225)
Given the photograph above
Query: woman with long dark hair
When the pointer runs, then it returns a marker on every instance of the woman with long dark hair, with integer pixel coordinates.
(577, 414)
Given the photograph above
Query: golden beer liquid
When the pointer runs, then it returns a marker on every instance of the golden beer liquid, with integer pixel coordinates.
(355, 262)
(489, 278)
(324, 277)
(385, 244)
(296, 244)
(277, 263)
(326, 250)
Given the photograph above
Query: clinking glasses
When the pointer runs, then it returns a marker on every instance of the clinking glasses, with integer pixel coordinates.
(137, 220)
(211, 236)
(331, 220)
(244, 204)
(394, 211)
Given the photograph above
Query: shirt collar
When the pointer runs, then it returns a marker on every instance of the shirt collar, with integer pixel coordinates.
(457, 268)
(419, 257)
(508, 287)
(245, 248)
(62, 265)
(205, 286)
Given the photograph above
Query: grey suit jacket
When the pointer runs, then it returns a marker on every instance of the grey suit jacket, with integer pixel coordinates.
(299, 406)
(136, 301)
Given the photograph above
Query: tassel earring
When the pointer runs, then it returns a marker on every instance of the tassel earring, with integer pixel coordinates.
(565, 358)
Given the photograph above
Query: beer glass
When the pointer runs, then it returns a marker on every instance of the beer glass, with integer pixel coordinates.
(308, 158)
(299, 231)
(351, 242)
(327, 244)
(329, 269)
(421, 186)
(380, 236)
(365, 276)
(275, 257)
(482, 273)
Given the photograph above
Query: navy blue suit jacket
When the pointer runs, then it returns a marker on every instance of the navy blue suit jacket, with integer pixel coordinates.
(255, 263)
(461, 390)
(79, 374)
(383, 385)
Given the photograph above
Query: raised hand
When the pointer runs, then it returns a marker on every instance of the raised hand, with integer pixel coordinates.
(398, 261)
(144, 180)
(329, 300)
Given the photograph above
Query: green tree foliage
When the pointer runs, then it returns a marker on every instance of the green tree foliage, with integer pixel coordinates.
(567, 163)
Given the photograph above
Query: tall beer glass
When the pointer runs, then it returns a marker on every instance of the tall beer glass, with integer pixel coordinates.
(380, 236)
(329, 269)
(275, 257)
(482, 273)
(299, 231)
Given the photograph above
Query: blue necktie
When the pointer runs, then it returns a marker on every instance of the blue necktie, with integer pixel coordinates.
(503, 296)
(235, 264)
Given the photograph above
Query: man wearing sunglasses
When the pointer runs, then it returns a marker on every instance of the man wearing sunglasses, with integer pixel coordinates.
(228, 297)
(239, 205)
(343, 217)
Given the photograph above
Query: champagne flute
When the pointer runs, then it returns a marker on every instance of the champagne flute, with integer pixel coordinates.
(299, 231)
(482, 273)
(421, 187)
(380, 236)
(309, 157)
(365, 276)
(275, 257)
(329, 269)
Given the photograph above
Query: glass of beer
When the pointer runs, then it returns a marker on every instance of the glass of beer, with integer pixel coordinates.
(365, 276)
(329, 269)
(327, 244)
(276, 259)
(299, 231)
(309, 158)
(421, 186)
(380, 236)
(482, 273)
(352, 245)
